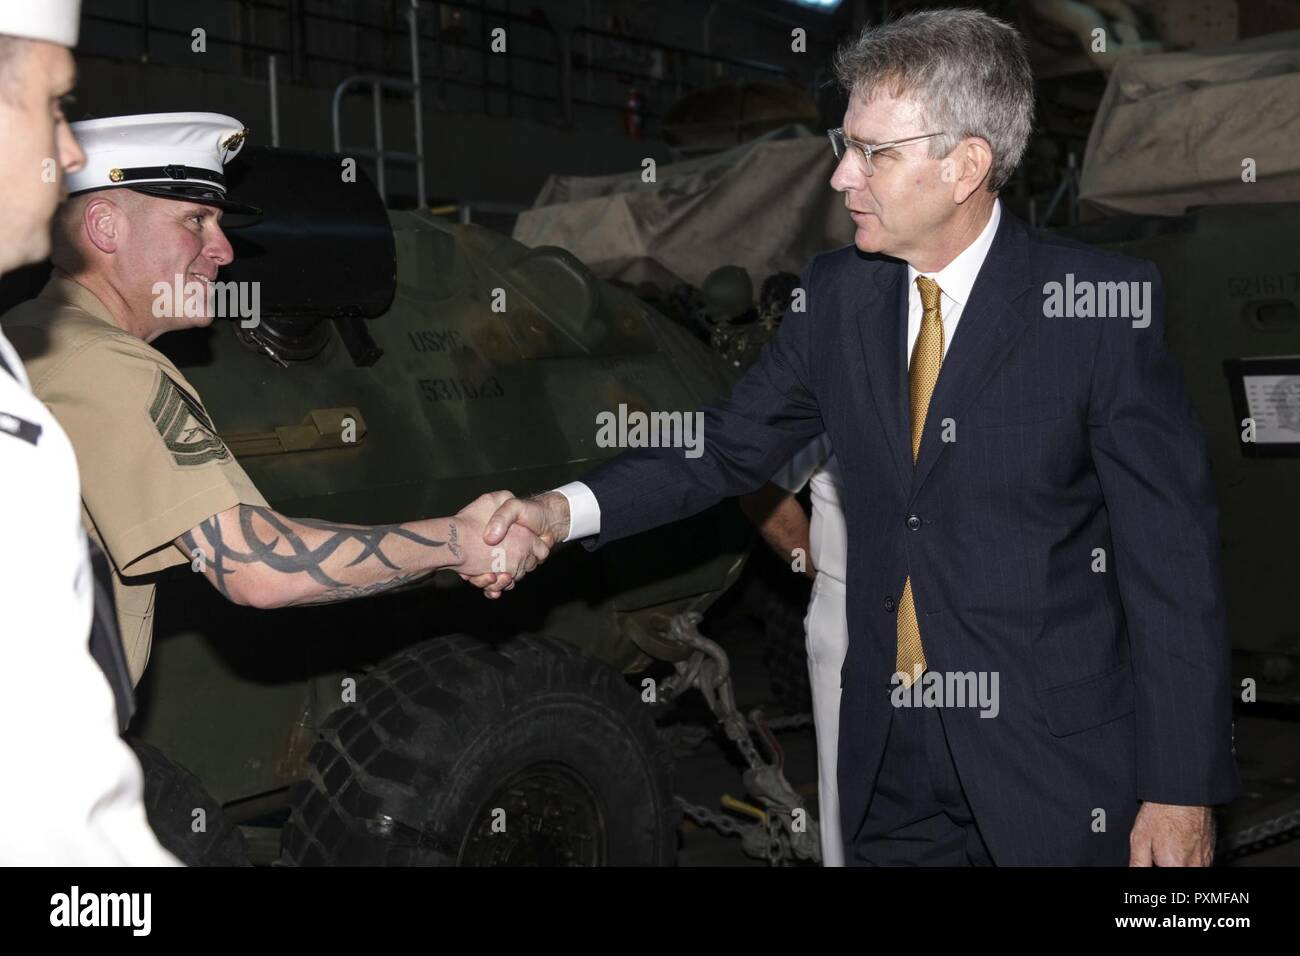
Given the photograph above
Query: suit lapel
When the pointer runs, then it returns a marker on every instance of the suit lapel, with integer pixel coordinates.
(879, 310)
(991, 323)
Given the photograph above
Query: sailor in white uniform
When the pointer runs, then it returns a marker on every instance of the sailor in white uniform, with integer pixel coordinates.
(72, 793)
(826, 624)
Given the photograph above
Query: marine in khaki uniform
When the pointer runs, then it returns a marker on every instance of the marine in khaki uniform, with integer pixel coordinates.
(158, 484)
(153, 467)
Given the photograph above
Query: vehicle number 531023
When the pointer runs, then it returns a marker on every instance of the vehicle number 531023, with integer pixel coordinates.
(460, 390)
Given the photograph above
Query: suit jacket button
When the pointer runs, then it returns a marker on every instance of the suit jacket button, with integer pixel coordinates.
(914, 522)
(889, 605)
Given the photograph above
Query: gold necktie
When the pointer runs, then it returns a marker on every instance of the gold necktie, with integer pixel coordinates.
(927, 356)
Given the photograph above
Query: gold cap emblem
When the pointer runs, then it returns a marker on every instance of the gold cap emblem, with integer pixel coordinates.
(116, 175)
(234, 139)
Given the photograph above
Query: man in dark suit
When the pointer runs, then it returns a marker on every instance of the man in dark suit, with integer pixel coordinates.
(1038, 667)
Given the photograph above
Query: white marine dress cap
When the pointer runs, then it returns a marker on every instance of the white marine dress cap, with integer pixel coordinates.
(172, 155)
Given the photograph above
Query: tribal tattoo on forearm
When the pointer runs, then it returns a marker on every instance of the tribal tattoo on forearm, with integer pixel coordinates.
(305, 559)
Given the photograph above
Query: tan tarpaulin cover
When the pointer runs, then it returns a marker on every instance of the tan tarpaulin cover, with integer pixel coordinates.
(767, 206)
(1173, 129)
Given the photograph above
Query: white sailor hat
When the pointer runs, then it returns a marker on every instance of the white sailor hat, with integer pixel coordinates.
(54, 21)
(173, 155)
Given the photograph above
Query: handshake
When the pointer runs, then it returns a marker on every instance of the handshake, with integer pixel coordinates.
(502, 537)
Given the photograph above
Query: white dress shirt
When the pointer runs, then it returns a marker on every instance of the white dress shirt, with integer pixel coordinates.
(955, 280)
(73, 797)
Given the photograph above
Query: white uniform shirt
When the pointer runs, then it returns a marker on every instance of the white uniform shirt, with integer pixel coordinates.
(956, 280)
(73, 794)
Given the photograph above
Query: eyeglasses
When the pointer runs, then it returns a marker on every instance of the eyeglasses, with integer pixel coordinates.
(840, 142)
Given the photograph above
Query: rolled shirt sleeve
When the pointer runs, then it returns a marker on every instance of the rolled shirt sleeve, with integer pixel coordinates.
(153, 464)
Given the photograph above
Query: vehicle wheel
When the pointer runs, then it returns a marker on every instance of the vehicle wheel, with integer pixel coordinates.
(457, 753)
(171, 795)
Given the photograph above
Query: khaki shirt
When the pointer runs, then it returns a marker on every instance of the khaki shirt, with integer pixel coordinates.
(152, 465)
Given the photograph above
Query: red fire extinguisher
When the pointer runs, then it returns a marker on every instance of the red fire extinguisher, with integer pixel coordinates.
(632, 114)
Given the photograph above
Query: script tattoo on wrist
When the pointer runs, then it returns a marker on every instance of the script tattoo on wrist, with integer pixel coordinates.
(453, 542)
(305, 559)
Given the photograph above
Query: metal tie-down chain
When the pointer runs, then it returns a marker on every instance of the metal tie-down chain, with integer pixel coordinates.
(773, 836)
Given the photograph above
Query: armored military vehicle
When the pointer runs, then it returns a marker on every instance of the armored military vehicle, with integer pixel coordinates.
(1232, 298)
(400, 366)
(1223, 225)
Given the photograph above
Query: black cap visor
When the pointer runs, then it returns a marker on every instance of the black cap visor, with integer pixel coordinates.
(238, 213)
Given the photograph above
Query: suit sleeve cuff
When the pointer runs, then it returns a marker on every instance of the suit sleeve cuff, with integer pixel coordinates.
(584, 510)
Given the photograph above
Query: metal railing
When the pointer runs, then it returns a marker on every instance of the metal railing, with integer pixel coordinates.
(377, 84)
(679, 56)
(578, 56)
(293, 44)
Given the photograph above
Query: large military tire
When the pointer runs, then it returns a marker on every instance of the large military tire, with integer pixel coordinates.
(459, 754)
(171, 795)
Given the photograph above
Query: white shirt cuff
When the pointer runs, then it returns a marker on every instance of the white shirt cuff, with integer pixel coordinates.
(584, 510)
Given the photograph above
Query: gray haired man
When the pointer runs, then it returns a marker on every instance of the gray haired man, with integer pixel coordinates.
(987, 449)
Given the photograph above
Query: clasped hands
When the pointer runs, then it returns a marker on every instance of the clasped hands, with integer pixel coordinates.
(506, 537)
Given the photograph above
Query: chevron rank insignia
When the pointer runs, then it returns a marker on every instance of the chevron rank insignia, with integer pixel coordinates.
(184, 426)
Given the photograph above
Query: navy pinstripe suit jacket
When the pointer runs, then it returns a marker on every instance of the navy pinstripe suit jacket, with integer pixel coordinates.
(1066, 435)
